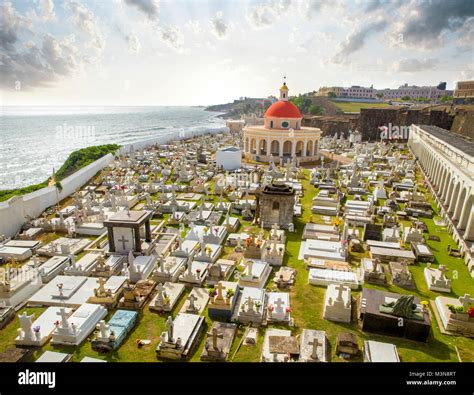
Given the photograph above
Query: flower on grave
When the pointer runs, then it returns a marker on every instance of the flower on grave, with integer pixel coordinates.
(230, 293)
(288, 310)
(36, 329)
(425, 304)
(56, 323)
(270, 307)
(212, 292)
(471, 312)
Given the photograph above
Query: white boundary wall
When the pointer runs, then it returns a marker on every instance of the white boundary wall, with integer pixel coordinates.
(14, 210)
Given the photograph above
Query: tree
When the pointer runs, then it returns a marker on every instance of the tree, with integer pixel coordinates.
(445, 98)
(332, 95)
(379, 95)
(406, 98)
(316, 109)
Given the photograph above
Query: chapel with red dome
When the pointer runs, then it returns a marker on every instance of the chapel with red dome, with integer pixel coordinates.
(282, 136)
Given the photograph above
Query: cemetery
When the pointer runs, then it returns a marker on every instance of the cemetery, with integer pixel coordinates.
(162, 257)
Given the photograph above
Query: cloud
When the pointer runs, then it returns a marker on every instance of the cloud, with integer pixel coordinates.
(356, 40)
(13, 23)
(264, 15)
(172, 37)
(429, 20)
(413, 65)
(47, 10)
(194, 26)
(218, 25)
(39, 66)
(133, 42)
(150, 8)
(85, 20)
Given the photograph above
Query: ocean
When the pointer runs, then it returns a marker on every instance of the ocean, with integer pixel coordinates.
(35, 140)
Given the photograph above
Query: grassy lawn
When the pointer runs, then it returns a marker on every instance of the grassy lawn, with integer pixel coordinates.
(356, 106)
(306, 306)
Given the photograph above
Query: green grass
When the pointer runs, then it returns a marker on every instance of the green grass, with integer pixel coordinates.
(356, 106)
(76, 160)
(306, 304)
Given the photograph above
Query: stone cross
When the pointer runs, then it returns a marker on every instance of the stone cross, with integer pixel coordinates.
(466, 300)
(101, 282)
(62, 313)
(250, 304)
(26, 324)
(274, 230)
(315, 344)
(170, 327)
(340, 288)
(159, 296)
(192, 299)
(103, 328)
(249, 266)
(219, 288)
(442, 269)
(279, 303)
(124, 242)
(215, 335)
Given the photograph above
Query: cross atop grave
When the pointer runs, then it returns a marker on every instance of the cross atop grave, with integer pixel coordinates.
(248, 267)
(63, 314)
(279, 303)
(219, 288)
(340, 288)
(26, 323)
(101, 282)
(442, 270)
(250, 304)
(215, 335)
(103, 329)
(60, 289)
(170, 327)
(315, 344)
(466, 300)
(124, 242)
(192, 299)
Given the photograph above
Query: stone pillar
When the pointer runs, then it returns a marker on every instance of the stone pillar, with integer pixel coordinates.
(458, 207)
(466, 211)
(269, 148)
(453, 198)
(469, 235)
(281, 143)
(110, 235)
(138, 243)
(147, 231)
(305, 147)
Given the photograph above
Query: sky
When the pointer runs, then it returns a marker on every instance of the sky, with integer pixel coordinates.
(196, 52)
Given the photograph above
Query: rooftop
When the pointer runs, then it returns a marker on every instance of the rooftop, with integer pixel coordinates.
(456, 140)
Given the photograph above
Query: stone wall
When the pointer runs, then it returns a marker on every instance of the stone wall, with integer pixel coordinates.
(330, 125)
(14, 210)
(371, 118)
(463, 122)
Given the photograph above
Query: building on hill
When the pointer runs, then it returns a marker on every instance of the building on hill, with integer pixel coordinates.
(464, 93)
(281, 137)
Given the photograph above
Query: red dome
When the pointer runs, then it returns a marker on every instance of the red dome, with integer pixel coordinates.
(283, 109)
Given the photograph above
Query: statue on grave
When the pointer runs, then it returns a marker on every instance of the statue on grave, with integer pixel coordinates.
(402, 307)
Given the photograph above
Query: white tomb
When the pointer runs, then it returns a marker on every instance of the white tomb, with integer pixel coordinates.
(255, 274)
(74, 330)
(52, 267)
(313, 346)
(37, 333)
(166, 297)
(169, 269)
(251, 306)
(141, 267)
(196, 302)
(324, 277)
(337, 303)
(437, 280)
(278, 307)
(17, 285)
(83, 266)
(195, 273)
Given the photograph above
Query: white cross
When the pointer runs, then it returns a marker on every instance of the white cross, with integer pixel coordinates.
(466, 300)
(279, 303)
(340, 288)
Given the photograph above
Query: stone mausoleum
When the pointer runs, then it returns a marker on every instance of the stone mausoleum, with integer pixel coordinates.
(276, 202)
